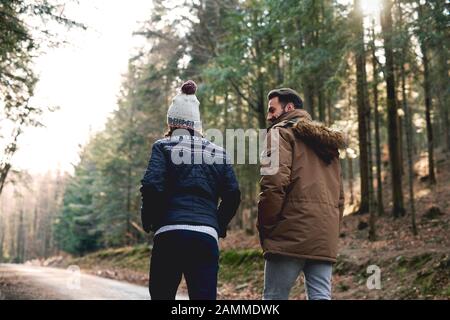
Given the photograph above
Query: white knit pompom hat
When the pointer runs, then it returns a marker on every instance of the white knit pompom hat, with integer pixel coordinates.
(184, 111)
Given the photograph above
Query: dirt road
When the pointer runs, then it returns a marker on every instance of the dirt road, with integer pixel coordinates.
(31, 282)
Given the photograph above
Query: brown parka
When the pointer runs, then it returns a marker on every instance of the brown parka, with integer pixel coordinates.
(300, 207)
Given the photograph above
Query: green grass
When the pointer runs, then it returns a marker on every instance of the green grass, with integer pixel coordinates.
(134, 258)
(242, 268)
(241, 264)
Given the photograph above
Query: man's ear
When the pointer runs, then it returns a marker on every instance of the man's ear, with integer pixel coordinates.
(289, 107)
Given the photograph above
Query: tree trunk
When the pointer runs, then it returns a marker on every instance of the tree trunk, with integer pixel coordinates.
(444, 96)
(362, 109)
(441, 18)
(260, 92)
(2, 238)
(428, 106)
(408, 131)
(329, 115)
(20, 253)
(129, 236)
(393, 132)
(407, 125)
(309, 100)
(379, 202)
(321, 103)
(372, 220)
(350, 179)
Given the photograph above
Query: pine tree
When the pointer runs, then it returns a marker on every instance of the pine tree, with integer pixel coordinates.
(393, 123)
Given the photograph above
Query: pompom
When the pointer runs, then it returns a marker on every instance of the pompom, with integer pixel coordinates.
(189, 87)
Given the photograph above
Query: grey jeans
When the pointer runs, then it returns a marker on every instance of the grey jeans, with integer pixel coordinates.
(281, 272)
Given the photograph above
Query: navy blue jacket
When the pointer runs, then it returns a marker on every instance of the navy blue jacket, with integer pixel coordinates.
(185, 178)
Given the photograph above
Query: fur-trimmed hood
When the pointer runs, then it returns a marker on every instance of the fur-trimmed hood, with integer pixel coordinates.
(324, 141)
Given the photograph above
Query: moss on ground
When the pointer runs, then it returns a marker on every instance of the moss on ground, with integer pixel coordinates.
(134, 258)
(242, 268)
(431, 276)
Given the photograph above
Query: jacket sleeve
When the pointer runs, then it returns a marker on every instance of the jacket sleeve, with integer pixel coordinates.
(273, 184)
(230, 199)
(152, 189)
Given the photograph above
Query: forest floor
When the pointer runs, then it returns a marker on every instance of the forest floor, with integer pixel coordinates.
(411, 267)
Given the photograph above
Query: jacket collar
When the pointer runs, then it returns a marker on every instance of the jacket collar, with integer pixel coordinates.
(294, 114)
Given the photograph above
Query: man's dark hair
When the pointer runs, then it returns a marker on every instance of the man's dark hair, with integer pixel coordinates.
(285, 96)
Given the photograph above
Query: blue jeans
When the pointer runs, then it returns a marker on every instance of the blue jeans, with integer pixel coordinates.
(182, 252)
(281, 272)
